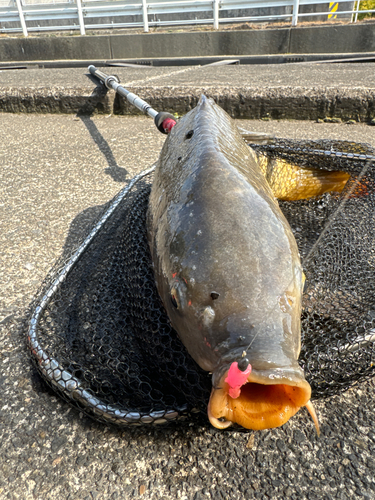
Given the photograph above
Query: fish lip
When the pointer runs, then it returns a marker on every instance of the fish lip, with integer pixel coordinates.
(274, 376)
(292, 376)
(288, 376)
(285, 392)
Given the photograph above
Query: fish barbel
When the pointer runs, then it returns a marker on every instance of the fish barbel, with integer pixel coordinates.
(228, 271)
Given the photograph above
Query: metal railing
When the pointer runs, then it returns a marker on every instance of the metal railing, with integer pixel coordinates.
(22, 15)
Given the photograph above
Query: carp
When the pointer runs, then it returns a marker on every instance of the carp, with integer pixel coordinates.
(228, 271)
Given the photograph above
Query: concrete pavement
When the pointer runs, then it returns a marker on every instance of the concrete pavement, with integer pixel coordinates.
(57, 170)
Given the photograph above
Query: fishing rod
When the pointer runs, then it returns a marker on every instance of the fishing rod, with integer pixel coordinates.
(164, 121)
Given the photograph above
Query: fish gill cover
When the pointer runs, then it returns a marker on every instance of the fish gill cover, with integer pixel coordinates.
(100, 336)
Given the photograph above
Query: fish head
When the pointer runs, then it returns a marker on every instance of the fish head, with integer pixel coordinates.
(251, 353)
(250, 346)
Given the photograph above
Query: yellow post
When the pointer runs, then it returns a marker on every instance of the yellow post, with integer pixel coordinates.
(333, 8)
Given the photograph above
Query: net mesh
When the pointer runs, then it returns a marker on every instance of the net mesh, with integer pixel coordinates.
(100, 336)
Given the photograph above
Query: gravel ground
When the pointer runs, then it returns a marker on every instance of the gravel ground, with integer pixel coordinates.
(58, 170)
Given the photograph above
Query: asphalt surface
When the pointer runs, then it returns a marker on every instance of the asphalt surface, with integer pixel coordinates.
(341, 75)
(284, 91)
(56, 169)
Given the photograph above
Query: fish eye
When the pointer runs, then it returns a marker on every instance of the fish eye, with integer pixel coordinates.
(190, 134)
(215, 295)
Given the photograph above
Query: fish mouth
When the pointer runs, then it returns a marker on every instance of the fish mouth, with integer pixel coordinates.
(263, 403)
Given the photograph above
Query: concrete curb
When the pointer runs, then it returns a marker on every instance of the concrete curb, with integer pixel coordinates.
(56, 100)
(276, 103)
(253, 103)
(307, 40)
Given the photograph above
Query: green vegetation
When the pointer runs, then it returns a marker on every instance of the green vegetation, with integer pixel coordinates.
(366, 5)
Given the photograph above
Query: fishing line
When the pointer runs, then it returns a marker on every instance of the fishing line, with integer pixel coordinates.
(337, 211)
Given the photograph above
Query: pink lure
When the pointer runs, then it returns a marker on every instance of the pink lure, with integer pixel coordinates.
(236, 379)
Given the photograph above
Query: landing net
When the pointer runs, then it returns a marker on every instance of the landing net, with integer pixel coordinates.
(99, 334)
